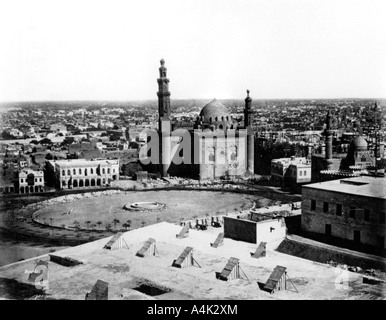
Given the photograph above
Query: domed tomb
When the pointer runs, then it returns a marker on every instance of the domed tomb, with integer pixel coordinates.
(359, 144)
(217, 115)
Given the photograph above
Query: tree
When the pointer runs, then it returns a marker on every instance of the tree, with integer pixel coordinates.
(129, 223)
(49, 156)
(87, 223)
(108, 227)
(115, 221)
(76, 224)
(99, 224)
(126, 226)
(143, 223)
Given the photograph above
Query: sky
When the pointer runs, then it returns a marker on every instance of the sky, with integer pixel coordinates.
(111, 50)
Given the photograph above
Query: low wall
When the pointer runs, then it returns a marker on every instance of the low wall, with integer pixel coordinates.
(238, 229)
(64, 261)
(271, 231)
(323, 255)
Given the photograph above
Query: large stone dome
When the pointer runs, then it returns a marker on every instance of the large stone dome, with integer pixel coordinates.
(359, 143)
(214, 111)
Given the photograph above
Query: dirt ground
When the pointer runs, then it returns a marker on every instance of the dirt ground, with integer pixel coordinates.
(179, 205)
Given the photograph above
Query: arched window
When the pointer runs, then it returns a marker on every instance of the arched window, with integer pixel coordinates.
(80, 171)
(63, 172)
(92, 171)
(68, 172)
(74, 171)
(108, 171)
(103, 171)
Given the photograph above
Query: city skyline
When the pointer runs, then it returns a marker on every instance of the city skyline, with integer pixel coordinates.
(279, 50)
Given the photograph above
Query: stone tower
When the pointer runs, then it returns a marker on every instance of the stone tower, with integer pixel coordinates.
(163, 93)
(248, 122)
(248, 113)
(164, 124)
(329, 132)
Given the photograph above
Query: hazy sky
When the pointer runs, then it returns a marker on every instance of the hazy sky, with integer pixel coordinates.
(110, 50)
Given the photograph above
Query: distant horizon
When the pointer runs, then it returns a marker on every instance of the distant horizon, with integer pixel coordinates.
(188, 99)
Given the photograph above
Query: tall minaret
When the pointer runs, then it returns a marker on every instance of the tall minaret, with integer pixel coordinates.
(248, 122)
(163, 93)
(377, 153)
(248, 117)
(329, 133)
(164, 119)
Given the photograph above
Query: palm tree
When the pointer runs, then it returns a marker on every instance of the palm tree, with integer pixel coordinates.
(129, 223)
(87, 223)
(115, 221)
(126, 226)
(108, 226)
(99, 223)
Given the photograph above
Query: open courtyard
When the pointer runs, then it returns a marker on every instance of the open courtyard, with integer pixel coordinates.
(106, 211)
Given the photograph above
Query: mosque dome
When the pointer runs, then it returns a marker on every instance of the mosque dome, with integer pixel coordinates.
(359, 143)
(215, 111)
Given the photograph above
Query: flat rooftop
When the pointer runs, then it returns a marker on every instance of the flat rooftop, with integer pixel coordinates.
(293, 161)
(125, 272)
(374, 187)
(72, 162)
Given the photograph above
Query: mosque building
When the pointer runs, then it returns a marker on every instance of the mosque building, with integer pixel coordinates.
(329, 166)
(216, 147)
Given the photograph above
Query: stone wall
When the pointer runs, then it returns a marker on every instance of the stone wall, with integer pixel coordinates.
(239, 229)
(272, 231)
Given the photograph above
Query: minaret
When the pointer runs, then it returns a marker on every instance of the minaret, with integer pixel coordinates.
(164, 119)
(248, 122)
(377, 153)
(329, 133)
(248, 118)
(163, 93)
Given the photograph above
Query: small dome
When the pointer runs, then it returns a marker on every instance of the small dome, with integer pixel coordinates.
(214, 109)
(359, 143)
